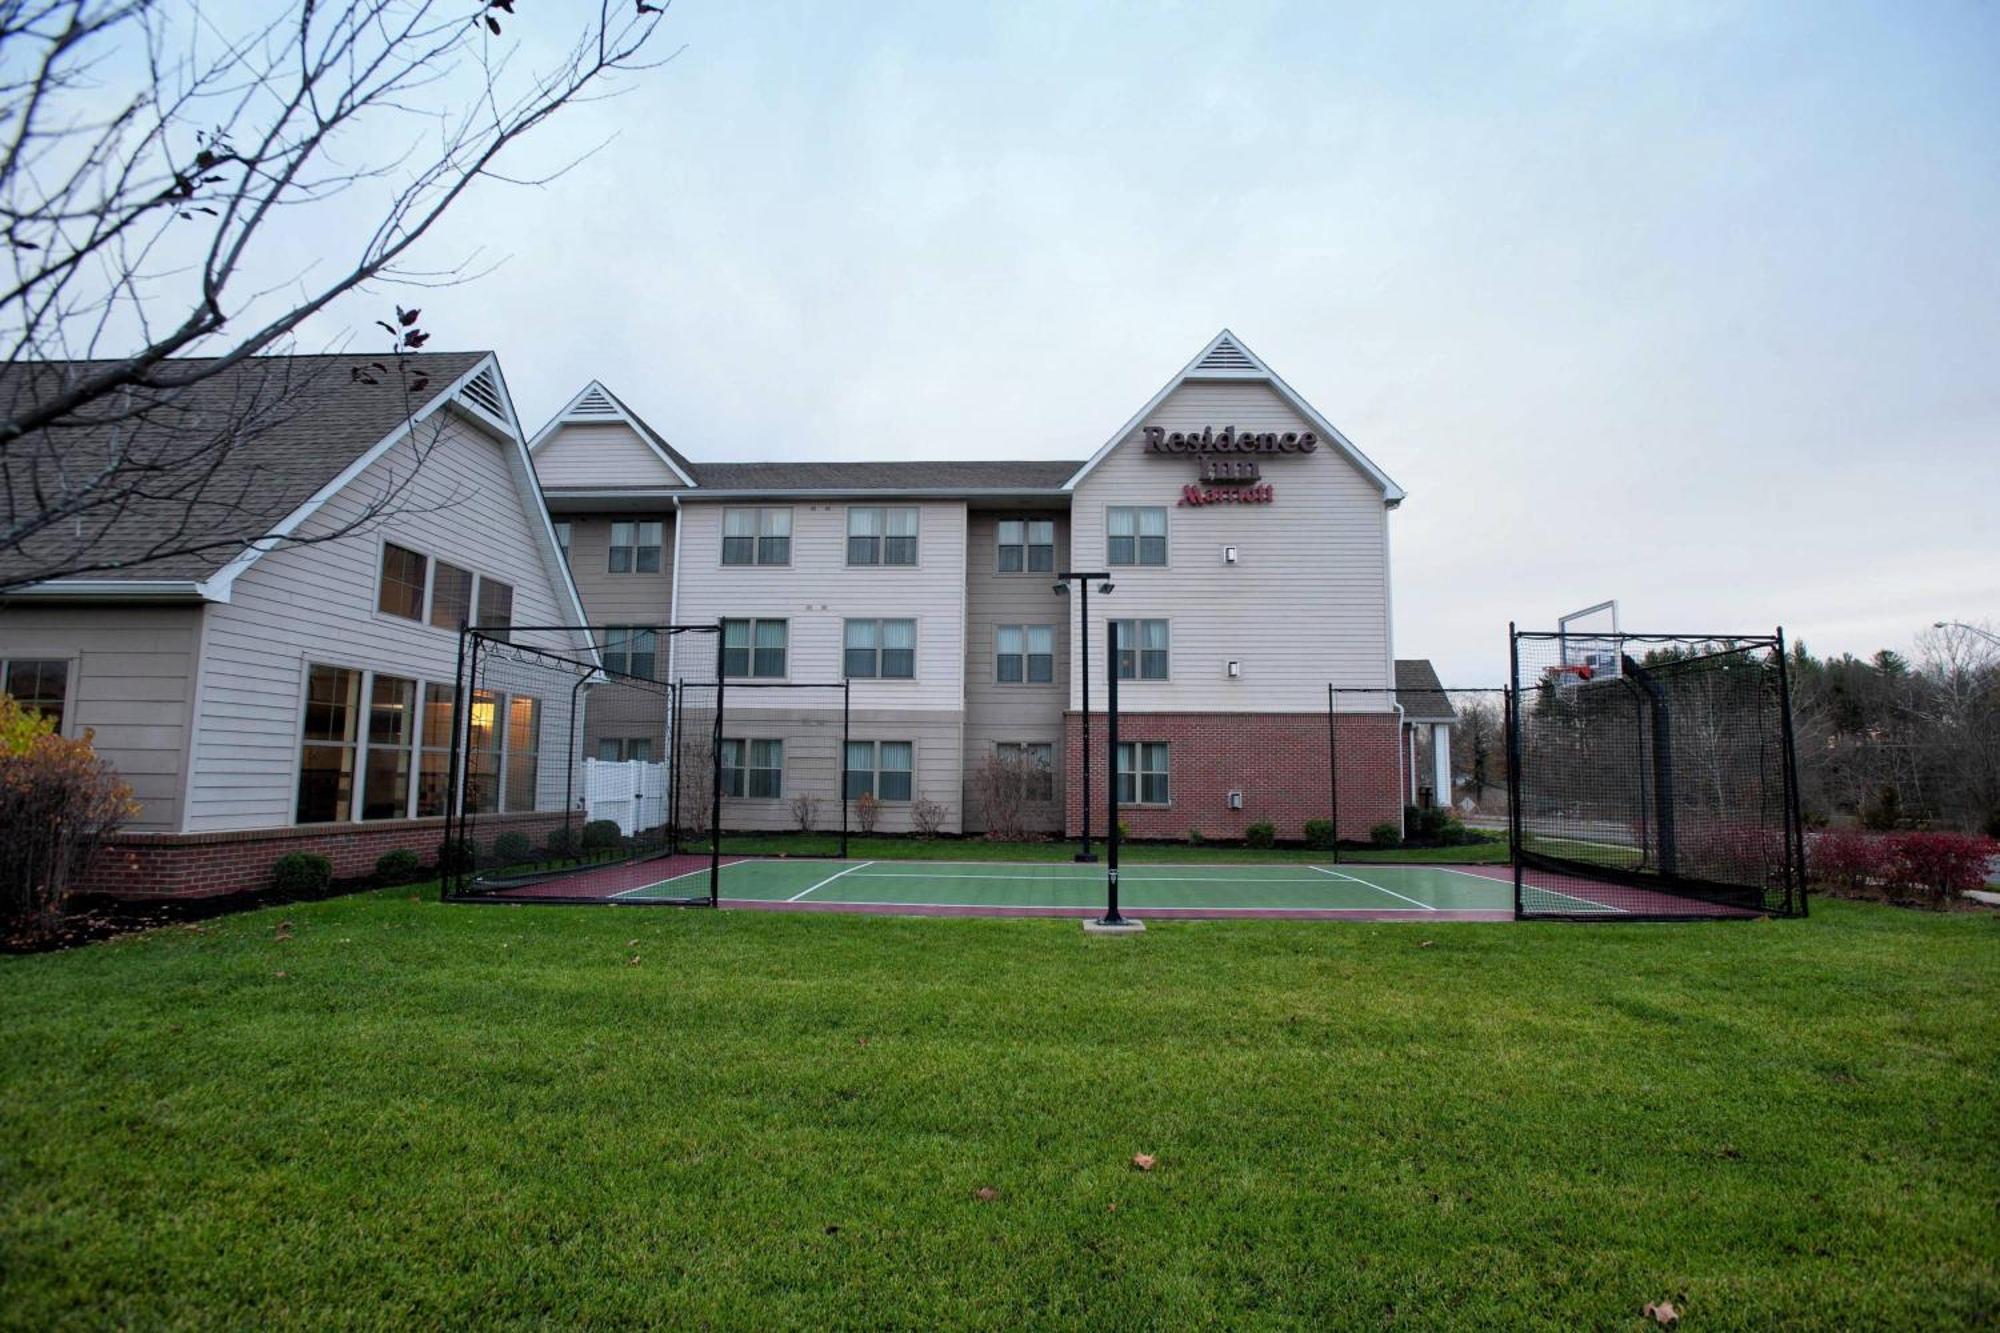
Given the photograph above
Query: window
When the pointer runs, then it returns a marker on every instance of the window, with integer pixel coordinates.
(757, 537)
(1142, 649)
(753, 769)
(482, 753)
(402, 590)
(882, 536)
(451, 596)
(434, 750)
(496, 605)
(625, 750)
(879, 769)
(1027, 545)
(635, 548)
(1024, 654)
(326, 759)
(881, 648)
(1135, 535)
(631, 650)
(523, 763)
(41, 684)
(562, 540)
(1142, 773)
(1037, 760)
(392, 706)
(754, 648)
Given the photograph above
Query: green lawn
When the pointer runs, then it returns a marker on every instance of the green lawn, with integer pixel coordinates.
(1489, 851)
(399, 1113)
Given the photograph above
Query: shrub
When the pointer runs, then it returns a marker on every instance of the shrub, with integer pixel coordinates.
(1942, 865)
(927, 817)
(302, 873)
(561, 841)
(454, 855)
(1883, 811)
(1385, 835)
(866, 811)
(1319, 833)
(1456, 834)
(1124, 831)
(1848, 858)
(58, 802)
(1194, 838)
(512, 847)
(1263, 833)
(805, 812)
(1005, 788)
(398, 866)
(1426, 823)
(601, 835)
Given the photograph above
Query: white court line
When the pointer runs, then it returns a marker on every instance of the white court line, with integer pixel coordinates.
(829, 879)
(1017, 908)
(660, 883)
(1377, 887)
(1124, 877)
(1509, 883)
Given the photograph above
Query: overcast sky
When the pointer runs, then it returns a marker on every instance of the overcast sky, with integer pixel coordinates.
(1690, 306)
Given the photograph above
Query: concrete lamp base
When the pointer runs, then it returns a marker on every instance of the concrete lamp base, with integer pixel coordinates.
(1129, 926)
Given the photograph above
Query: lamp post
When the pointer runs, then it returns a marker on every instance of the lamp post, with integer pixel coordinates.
(1987, 635)
(1083, 581)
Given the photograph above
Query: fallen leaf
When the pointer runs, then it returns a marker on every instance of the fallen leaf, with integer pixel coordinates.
(1110, 1207)
(986, 1194)
(1663, 1313)
(633, 961)
(1427, 944)
(631, 944)
(1144, 1161)
(862, 1040)
(283, 974)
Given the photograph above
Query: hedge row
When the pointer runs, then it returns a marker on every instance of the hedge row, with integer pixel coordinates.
(308, 873)
(1933, 867)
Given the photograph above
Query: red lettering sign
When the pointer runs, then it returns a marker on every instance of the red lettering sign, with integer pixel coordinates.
(1227, 495)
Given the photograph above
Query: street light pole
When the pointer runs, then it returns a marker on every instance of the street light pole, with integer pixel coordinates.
(1083, 852)
(1987, 635)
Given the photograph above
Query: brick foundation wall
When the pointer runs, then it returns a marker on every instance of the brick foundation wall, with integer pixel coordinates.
(1277, 760)
(203, 865)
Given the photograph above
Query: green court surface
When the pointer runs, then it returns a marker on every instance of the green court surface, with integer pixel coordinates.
(1011, 888)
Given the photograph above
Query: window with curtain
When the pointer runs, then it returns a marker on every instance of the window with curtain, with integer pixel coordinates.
(754, 769)
(757, 536)
(1027, 546)
(754, 649)
(882, 535)
(401, 592)
(635, 548)
(881, 769)
(327, 758)
(1142, 773)
(880, 649)
(1135, 535)
(392, 721)
(1142, 649)
(1038, 763)
(625, 750)
(1024, 654)
(631, 650)
(40, 684)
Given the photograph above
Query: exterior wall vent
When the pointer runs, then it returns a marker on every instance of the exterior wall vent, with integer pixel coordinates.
(483, 393)
(1226, 355)
(594, 403)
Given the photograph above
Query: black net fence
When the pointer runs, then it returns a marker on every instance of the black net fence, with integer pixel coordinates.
(791, 776)
(1653, 775)
(579, 773)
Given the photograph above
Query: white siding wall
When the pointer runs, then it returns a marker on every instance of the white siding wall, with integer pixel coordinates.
(1307, 601)
(317, 604)
(817, 593)
(600, 454)
(132, 675)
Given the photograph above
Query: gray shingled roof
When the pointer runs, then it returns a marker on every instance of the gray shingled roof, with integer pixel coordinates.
(1420, 693)
(299, 421)
(938, 475)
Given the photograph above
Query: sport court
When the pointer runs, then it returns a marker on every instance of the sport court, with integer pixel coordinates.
(1004, 888)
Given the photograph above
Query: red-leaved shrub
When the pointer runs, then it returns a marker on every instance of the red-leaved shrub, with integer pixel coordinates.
(1848, 858)
(1941, 865)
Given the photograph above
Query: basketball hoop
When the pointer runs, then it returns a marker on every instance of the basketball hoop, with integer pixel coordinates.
(1580, 671)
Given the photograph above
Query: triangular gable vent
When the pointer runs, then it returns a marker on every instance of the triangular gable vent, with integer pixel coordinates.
(483, 392)
(594, 403)
(1226, 355)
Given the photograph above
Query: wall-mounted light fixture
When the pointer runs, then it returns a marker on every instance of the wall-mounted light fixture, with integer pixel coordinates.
(1235, 669)
(1229, 555)
(1236, 800)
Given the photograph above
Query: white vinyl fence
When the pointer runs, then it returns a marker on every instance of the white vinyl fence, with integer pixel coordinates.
(632, 792)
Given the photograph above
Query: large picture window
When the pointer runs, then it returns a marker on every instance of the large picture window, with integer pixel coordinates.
(753, 769)
(1024, 654)
(523, 759)
(414, 586)
(754, 649)
(756, 536)
(40, 684)
(434, 750)
(1142, 649)
(326, 757)
(1027, 546)
(880, 649)
(878, 535)
(1142, 773)
(881, 769)
(635, 548)
(392, 710)
(1135, 535)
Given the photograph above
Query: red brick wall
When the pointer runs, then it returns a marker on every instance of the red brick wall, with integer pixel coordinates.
(201, 865)
(1277, 760)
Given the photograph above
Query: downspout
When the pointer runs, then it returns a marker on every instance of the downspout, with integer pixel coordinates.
(1402, 783)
